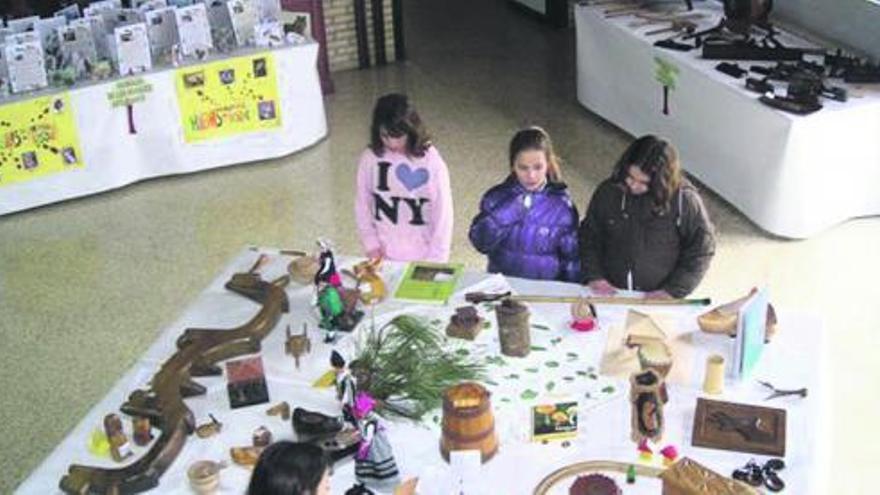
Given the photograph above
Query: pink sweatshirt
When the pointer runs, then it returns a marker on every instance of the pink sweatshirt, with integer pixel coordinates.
(404, 205)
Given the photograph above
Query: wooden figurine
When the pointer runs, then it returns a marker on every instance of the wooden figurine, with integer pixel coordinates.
(281, 409)
(688, 477)
(372, 287)
(208, 430)
(465, 323)
(513, 328)
(141, 430)
(297, 345)
(119, 446)
(647, 399)
(262, 437)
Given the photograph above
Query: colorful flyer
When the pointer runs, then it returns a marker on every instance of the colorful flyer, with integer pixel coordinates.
(228, 97)
(38, 137)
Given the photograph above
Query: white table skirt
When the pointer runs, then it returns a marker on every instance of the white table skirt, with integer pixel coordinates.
(114, 158)
(795, 358)
(792, 175)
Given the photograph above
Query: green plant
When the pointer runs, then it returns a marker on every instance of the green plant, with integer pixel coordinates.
(406, 366)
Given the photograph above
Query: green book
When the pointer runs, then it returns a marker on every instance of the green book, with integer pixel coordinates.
(427, 282)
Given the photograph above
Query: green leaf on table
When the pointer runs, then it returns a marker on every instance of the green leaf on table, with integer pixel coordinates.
(490, 382)
(496, 360)
(505, 399)
(581, 373)
(571, 355)
(594, 376)
(512, 376)
(463, 352)
(550, 385)
(528, 394)
(532, 370)
(487, 324)
(556, 341)
(436, 419)
(568, 378)
(608, 390)
(538, 348)
(551, 364)
(541, 327)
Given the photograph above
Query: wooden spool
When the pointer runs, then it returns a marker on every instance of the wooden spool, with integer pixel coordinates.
(468, 423)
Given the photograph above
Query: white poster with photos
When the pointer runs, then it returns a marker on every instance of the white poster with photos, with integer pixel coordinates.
(48, 31)
(194, 30)
(244, 18)
(99, 35)
(268, 10)
(269, 34)
(77, 44)
(70, 12)
(27, 68)
(150, 5)
(133, 49)
(22, 24)
(126, 17)
(24, 38)
(221, 25)
(162, 31)
(4, 71)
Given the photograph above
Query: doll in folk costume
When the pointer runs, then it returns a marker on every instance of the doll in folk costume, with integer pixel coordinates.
(374, 463)
(337, 307)
(346, 386)
(327, 284)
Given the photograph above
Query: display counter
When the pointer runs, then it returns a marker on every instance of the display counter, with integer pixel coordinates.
(254, 105)
(793, 175)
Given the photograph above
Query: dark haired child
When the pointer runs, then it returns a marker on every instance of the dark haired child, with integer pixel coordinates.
(403, 204)
(527, 225)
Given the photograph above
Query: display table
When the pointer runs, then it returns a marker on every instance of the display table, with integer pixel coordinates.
(794, 359)
(153, 137)
(792, 175)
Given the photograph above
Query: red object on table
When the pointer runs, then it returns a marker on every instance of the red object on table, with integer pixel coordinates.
(584, 325)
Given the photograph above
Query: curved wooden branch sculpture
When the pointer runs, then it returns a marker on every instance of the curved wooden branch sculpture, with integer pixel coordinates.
(199, 349)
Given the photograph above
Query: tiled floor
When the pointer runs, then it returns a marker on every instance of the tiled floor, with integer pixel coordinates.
(86, 285)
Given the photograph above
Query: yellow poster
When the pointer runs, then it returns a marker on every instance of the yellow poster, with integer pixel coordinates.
(228, 97)
(38, 137)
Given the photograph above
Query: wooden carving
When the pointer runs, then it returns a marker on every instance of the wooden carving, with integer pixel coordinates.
(688, 477)
(199, 349)
(297, 345)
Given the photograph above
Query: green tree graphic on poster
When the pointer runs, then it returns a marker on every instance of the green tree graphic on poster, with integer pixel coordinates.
(128, 92)
(666, 74)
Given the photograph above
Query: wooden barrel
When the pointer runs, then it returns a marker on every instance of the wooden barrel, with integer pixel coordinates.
(468, 423)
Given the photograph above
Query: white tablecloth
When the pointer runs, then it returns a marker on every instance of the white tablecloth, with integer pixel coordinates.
(114, 158)
(792, 175)
(796, 358)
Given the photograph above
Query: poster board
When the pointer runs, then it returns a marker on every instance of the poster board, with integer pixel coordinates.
(38, 137)
(228, 97)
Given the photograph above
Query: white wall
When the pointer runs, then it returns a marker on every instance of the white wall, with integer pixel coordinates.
(853, 23)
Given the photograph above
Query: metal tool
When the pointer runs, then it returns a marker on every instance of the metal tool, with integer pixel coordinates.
(778, 392)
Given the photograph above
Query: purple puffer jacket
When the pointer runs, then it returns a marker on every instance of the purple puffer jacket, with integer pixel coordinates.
(531, 238)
